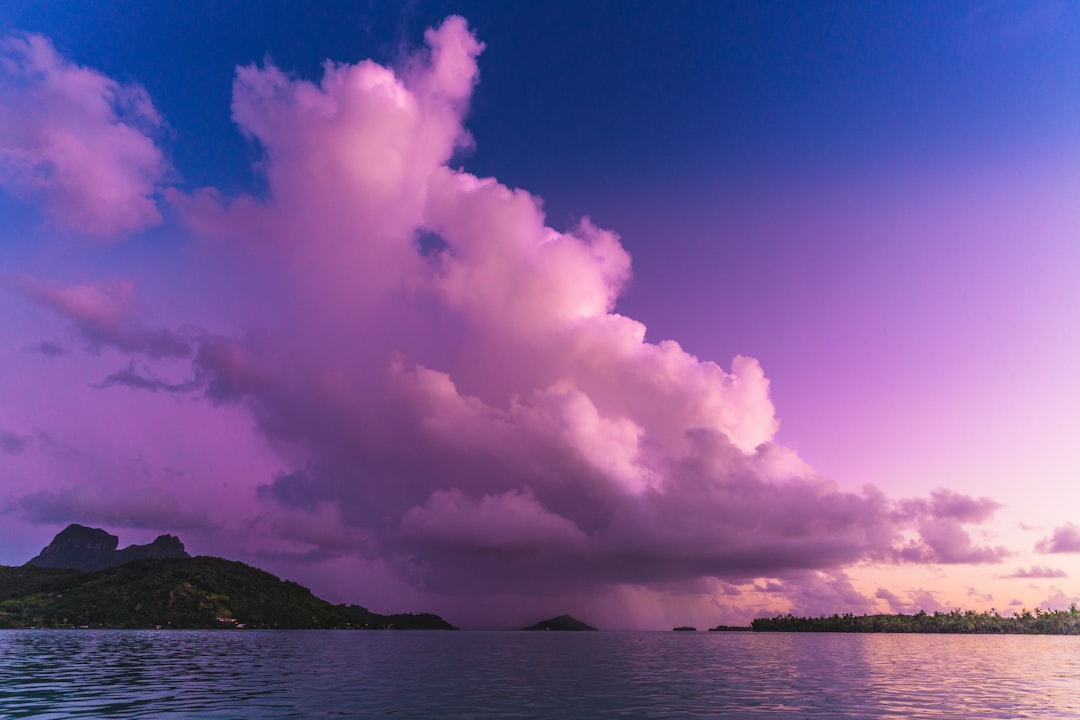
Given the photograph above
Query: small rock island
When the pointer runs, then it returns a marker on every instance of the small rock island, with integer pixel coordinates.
(562, 622)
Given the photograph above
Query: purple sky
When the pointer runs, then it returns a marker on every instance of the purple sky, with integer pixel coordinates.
(680, 318)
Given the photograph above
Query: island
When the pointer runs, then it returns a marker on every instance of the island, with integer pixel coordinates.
(562, 623)
(1025, 622)
(82, 581)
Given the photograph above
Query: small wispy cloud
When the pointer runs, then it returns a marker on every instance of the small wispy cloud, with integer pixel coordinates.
(1035, 572)
(916, 601)
(1064, 539)
(47, 348)
(130, 377)
(102, 314)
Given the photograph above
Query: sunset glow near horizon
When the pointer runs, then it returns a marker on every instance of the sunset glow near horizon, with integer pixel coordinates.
(655, 314)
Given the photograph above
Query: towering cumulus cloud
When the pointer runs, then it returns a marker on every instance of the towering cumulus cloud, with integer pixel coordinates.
(450, 383)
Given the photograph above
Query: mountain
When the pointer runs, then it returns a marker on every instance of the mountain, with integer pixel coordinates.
(562, 622)
(163, 586)
(83, 548)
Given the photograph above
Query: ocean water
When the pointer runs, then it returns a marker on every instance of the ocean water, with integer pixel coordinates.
(47, 674)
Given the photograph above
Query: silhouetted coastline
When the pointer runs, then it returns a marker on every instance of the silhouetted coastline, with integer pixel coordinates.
(1025, 622)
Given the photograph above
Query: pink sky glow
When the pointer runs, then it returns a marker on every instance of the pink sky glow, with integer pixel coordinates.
(394, 381)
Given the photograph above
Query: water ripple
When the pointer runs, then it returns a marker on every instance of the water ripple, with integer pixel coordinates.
(47, 674)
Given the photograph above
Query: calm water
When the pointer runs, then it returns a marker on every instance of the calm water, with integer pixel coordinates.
(324, 674)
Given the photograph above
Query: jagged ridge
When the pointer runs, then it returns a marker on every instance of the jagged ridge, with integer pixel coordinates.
(84, 548)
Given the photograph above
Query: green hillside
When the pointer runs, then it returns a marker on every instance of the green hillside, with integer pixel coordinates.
(200, 592)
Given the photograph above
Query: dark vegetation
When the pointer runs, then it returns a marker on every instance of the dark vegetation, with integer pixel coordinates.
(1026, 622)
(562, 622)
(200, 592)
(80, 579)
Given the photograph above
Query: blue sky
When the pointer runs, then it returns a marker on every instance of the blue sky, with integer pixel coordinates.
(719, 92)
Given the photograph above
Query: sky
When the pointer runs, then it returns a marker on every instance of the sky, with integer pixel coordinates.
(655, 314)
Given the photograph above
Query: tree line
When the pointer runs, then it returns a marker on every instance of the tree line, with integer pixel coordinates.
(1024, 622)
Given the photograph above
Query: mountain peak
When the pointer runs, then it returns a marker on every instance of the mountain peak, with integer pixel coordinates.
(84, 548)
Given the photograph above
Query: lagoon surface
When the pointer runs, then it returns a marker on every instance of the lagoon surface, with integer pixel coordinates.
(48, 674)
